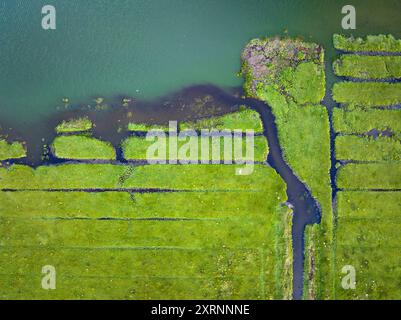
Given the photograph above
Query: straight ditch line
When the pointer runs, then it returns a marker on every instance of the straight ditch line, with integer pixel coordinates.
(356, 247)
(131, 248)
(109, 219)
(262, 273)
(370, 53)
(344, 162)
(330, 104)
(362, 135)
(370, 80)
(99, 248)
(368, 190)
(395, 107)
(100, 277)
(130, 190)
(390, 220)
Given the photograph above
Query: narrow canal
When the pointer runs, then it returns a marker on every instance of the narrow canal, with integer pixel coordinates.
(179, 106)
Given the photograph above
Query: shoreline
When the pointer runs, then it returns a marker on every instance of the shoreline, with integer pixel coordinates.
(298, 194)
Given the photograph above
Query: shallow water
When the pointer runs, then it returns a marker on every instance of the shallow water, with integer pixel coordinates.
(148, 48)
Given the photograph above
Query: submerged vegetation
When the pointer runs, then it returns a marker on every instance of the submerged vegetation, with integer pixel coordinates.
(14, 150)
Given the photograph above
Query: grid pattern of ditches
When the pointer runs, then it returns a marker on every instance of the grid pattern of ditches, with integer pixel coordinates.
(367, 123)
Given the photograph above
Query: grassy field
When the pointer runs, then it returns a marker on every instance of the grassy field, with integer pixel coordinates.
(81, 147)
(374, 232)
(230, 238)
(231, 233)
(245, 119)
(102, 273)
(120, 231)
(108, 176)
(361, 120)
(367, 148)
(127, 205)
(372, 43)
(293, 84)
(368, 67)
(307, 83)
(74, 125)
(372, 265)
(369, 176)
(369, 205)
(311, 247)
(368, 239)
(367, 94)
(229, 244)
(14, 150)
(136, 148)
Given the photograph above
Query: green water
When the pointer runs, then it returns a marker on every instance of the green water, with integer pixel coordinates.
(147, 48)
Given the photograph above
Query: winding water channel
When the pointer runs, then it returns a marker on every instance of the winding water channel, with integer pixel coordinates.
(179, 107)
(306, 209)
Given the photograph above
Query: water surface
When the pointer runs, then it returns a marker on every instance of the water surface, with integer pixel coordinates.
(148, 48)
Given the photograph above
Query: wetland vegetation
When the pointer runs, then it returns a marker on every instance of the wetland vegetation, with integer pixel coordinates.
(74, 125)
(368, 94)
(368, 67)
(289, 75)
(372, 43)
(147, 215)
(14, 150)
(81, 147)
(201, 231)
(368, 175)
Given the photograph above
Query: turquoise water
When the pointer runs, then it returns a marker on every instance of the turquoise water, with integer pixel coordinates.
(147, 48)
